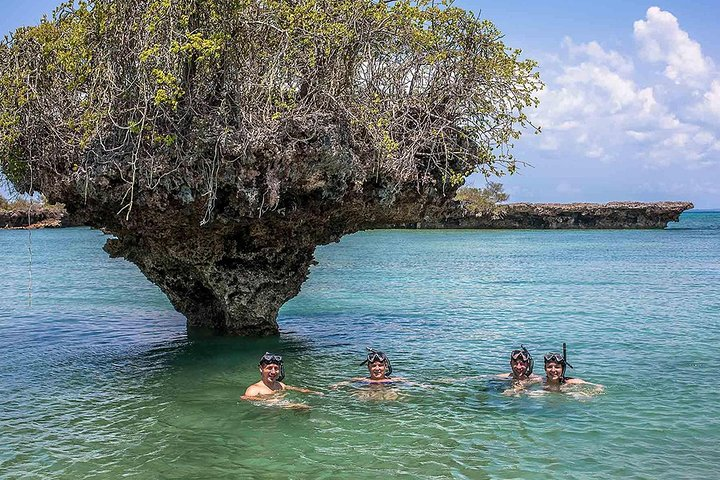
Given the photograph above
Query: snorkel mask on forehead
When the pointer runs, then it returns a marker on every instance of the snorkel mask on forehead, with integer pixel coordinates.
(524, 355)
(273, 359)
(557, 358)
(378, 356)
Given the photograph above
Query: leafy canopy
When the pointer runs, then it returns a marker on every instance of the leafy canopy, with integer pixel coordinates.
(482, 200)
(149, 88)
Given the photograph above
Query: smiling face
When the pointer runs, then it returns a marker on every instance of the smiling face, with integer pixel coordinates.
(519, 367)
(269, 372)
(554, 371)
(377, 370)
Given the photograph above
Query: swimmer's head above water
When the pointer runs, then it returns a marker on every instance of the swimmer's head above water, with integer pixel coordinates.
(271, 367)
(521, 363)
(378, 364)
(556, 365)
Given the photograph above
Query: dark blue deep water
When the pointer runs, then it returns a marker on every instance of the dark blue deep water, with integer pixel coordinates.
(99, 379)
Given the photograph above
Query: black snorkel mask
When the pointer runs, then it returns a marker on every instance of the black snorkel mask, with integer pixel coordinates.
(273, 359)
(557, 358)
(524, 355)
(378, 356)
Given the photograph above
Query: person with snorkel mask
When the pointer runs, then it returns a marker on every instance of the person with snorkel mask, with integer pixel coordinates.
(379, 370)
(272, 372)
(379, 367)
(555, 367)
(521, 367)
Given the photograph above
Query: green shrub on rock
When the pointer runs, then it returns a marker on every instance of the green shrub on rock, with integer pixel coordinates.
(154, 93)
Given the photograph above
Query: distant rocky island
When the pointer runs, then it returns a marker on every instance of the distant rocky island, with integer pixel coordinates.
(552, 216)
(555, 216)
(24, 216)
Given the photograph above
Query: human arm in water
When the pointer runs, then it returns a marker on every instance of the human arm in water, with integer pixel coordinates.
(580, 381)
(384, 381)
(302, 390)
(262, 392)
(518, 386)
(344, 383)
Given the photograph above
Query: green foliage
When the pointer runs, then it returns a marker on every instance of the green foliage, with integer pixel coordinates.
(482, 200)
(428, 92)
(24, 203)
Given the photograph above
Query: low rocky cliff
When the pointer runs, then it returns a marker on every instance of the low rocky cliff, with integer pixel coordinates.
(613, 215)
(37, 216)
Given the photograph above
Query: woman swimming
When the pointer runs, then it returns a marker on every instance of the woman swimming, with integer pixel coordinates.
(555, 367)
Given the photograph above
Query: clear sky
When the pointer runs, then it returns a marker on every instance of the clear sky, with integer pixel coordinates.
(631, 107)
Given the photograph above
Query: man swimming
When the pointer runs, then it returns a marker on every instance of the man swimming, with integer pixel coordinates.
(521, 366)
(272, 373)
(379, 370)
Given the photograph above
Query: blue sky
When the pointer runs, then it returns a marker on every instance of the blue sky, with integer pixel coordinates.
(631, 108)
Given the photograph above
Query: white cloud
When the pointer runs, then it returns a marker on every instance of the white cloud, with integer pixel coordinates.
(596, 151)
(681, 189)
(596, 53)
(711, 101)
(661, 40)
(639, 136)
(609, 117)
(598, 106)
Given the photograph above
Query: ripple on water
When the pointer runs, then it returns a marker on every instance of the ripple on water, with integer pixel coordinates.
(99, 379)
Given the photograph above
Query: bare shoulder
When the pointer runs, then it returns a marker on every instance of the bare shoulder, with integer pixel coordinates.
(252, 391)
(503, 375)
(257, 390)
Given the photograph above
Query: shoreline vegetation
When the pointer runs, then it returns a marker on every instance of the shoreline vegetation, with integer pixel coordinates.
(23, 214)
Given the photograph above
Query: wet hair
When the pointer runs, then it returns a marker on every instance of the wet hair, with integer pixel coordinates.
(378, 356)
(523, 354)
(273, 359)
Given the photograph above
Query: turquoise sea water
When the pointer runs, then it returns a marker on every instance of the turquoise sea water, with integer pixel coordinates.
(98, 378)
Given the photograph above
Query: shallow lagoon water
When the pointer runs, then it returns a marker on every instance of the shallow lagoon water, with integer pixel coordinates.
(99, 379)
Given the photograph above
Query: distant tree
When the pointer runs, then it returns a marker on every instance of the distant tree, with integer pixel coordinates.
(25, 202)
(482, 200)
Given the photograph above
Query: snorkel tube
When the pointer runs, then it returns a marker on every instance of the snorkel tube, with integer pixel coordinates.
(523, 354)
(565, 362)
(378, 356)
(274, 359)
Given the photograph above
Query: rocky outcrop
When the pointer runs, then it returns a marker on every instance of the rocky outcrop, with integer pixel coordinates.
(221, 149)
(37, 216)
(233, 272)
(613, 215)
